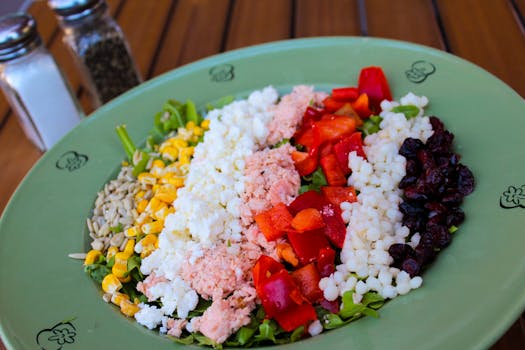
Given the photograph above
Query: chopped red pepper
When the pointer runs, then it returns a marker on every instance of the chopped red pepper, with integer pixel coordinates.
(309, 199)
(332, 171)
(361, 106)
(333, 127)
(335, 228)
(338, 194)
(348, 111)
(343, 148)
(307, 244)
(307, 278)
(305, 164)
(279, 293)
(307, 219)
(345, 94)
(310, 115)
(373, 82)
(326, 262)
(296, 316)
(264, 268)
(274, 221)
(332, 105)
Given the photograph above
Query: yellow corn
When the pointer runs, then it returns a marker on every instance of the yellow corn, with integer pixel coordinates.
(170, 153)
(166, 193)
(139, 195)
(147, 179)
(205, 124)
(177, 181)
(153, 205)
(155, 188)
(152, 227)
(141, 206)
(198, 131)
(158, 163)
(129, 247)
(142, 219)
(190, 125)
(92, 256)
(178, 143)
(128, 308)
(149, 244)
(117, 298)
(111, 284)
(111, 252)
(131, 232)
(119, 271)
(162, 213)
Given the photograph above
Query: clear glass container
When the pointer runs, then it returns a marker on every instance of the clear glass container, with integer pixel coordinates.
(99, 47)
(33, 83)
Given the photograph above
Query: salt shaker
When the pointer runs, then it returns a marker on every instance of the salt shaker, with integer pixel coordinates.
(98, 46)
(33, 83)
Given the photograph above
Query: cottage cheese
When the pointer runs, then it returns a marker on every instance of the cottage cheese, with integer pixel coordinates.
(374, 221)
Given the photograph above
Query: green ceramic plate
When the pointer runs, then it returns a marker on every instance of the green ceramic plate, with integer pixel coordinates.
(470, 296)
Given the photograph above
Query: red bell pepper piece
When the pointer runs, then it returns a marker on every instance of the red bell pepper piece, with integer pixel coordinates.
(264, 268)
(305, 164)
(274, 221)
(343, 148)
(279, 293)
(373, 82)
(333, 127)
(296, 316)
(309, 199)
(307, 219)
(345, 94)
(332, 171)
(338, 194)
(362, 106)
(335, 228)
(332, 105)
(310, 115)
(326, 262)
(306, 245)
(307, 278)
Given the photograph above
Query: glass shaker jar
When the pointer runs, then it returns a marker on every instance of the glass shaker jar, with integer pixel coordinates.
(33, 83)
(100, 49)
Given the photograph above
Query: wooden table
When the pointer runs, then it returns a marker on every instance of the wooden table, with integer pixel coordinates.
(165, 34)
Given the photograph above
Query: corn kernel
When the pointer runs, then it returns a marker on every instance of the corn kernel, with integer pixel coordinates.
(111, 252)
(155, 188)
(177, 181)
(153, 205)
(166, 193)
(152, 227)
(141, 206)
(170, 153)
(158, 163)
(122, 258)
(161, 213)
(111, 284)
(130, 247)
(131, 232)
(117, 297)
(149, 244)
(190, 125)
(178, 143)
(92, 256)
(128, 308)
(198, 131)
(205, 124)
(139, 195)
(119, 270)
(142, 219)
(147, 179)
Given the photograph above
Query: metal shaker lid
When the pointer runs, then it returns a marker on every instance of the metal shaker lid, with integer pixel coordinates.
(18, 36)
(72, 10)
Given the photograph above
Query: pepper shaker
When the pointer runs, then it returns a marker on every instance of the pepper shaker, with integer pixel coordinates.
(99, 47)
(33, 84)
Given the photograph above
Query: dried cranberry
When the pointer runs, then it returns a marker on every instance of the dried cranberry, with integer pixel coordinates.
(425, 158)
(410, 147)
(452, 198)
(465, 180)
(412, 167)
(440, 142)
(399, 252)
(411, 208)
(455, 217)
(437, 124)
(411, 266)
(407, 181)
(414, 223)
(415, 193)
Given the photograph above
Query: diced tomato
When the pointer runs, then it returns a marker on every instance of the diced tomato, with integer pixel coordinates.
(296, 316)
(345, 94)
(332, 105)
(309, 199)
(343, 148)
(307, 244)
(274, 221)
(279, 293)
(373, 82)
(333, 127)
(307, 279)
(326, 262)
(339, 194)
(264, 268)
(332, 306)
(307, 219)
(361, 106)
(335, 228)
(305, 164)
(332, 171)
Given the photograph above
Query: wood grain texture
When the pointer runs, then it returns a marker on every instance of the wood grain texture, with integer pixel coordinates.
(487, 35)
(255, 22)
(330, 17)
(194, 31)
(409, 20)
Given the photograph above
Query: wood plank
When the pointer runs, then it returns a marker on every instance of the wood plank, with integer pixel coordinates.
(409, 20)
(486, 33)
(194, 31)
(255, 22)
(311, 18)
(514, 338)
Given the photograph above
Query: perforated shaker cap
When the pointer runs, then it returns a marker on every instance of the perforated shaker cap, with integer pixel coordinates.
(18, 36)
